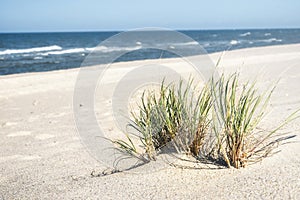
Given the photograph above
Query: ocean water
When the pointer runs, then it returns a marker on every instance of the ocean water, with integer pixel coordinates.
(35, 52)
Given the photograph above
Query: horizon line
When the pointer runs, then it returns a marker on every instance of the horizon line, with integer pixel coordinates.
(122, 30)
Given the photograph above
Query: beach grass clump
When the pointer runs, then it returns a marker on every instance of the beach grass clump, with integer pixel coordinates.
(174, 118)
(223, 115)
(238, 111)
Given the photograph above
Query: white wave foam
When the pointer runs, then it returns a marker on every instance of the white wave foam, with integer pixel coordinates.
(57, 50)
(272, 40)
(90, 49)
(36, 49)
(38, 58)
(186, 43)
(234, 42)
(267, 34)
(245, 34)
(67, 51)
(105, 49)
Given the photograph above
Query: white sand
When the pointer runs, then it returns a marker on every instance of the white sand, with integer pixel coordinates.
(42, 156)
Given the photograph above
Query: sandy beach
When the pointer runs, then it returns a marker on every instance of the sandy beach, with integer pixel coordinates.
(42, 156)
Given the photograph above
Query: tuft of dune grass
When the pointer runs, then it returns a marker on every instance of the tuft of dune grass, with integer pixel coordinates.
(186, 118)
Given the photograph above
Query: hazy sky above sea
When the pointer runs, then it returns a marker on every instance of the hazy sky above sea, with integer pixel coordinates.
(89, 15)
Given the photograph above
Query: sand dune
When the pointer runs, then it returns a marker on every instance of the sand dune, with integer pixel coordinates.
(42, 156)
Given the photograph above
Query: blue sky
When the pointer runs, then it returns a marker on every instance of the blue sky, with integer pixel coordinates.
(82, 15)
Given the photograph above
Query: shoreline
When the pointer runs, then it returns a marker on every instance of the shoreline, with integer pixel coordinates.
(213, 55)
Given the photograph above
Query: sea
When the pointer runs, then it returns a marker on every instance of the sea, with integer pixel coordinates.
(38, 52)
